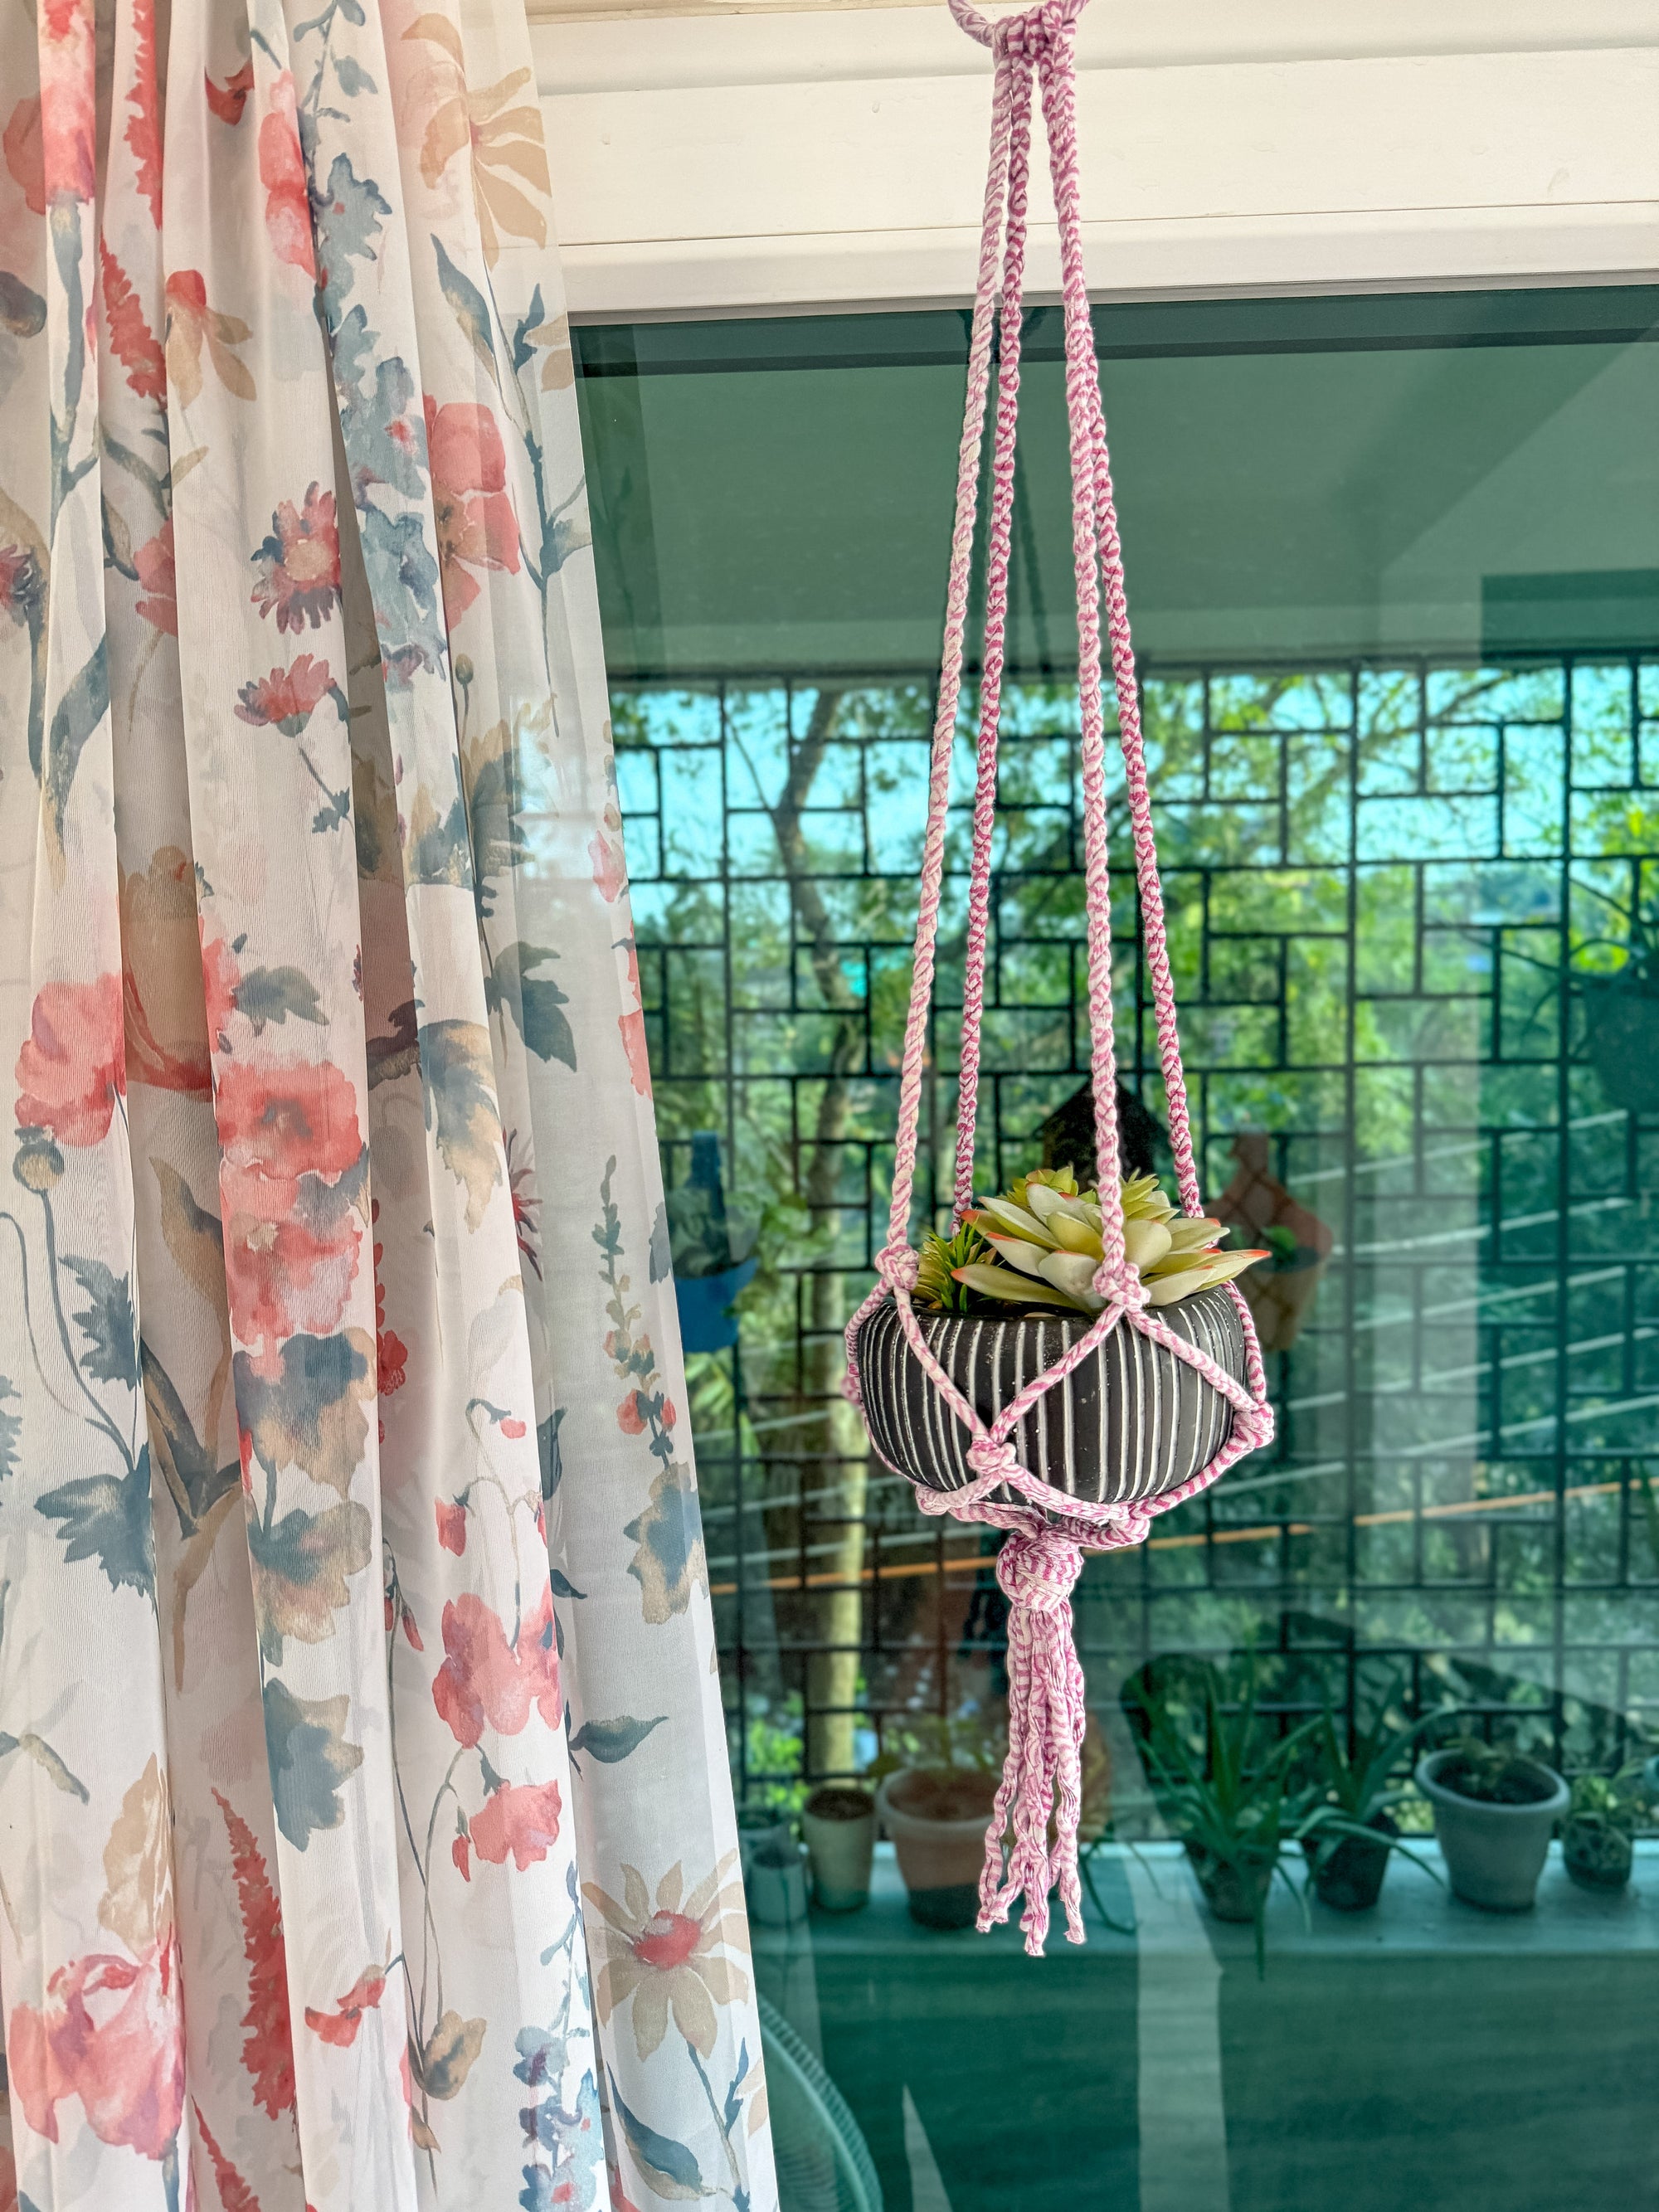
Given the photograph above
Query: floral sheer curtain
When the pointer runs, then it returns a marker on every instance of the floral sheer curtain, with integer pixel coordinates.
(365, 1834)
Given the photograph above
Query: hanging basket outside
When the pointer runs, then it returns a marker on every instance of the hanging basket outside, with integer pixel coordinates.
(1130, 1424)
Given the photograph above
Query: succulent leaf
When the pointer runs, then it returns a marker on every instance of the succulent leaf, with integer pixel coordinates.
(1016, 1253)
(1006, 1217)
(1074, 1273)
(1145, 1241)
(1074, 1236)
(1018, 1289)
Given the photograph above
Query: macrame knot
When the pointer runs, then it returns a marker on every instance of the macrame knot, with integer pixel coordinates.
(1039, 1571)
(1034, 31)
(897, 1265)
(1121, 1285)
(992, 1457)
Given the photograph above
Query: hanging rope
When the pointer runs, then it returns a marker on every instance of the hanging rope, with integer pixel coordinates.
(1045, 1529)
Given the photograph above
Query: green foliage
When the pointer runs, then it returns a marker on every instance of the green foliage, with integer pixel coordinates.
(1492, 1774)
(966, 1742)
(940, 1261)
(1616, 1803)
(1359, 1782)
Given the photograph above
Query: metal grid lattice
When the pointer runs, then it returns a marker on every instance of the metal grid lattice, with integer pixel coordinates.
(1401, 905)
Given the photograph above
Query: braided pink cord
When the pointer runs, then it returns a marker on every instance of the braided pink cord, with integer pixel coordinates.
(1047, 1531)
(996, 624)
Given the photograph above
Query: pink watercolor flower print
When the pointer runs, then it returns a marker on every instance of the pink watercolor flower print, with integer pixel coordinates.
(108, 2033)
(477, 1686)
(68, 109)
(72, 1068)
(452, 1526)
(267, 2048)
(299, 563)
(288, 1135)
(340, 2025)
(635, 1044)
(283, 173)
(287, 699)
(131, 340)
(221, 979)
(604, 850)
(486, 1682)
(158, 580)
(521, 1817)
(25, 160)
(227, 101)
(476, 526)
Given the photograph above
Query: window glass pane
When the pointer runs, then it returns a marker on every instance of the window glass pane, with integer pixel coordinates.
(1394, 571)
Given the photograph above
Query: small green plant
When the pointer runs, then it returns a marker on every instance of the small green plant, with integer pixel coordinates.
(1620, 1800)
(965, 1743)
(1039, 1244)
(941, 1262)
(1598, 1833)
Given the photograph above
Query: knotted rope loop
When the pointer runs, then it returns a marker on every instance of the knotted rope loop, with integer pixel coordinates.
(1056, 14)
(1039, 1570)
(994, 1459)
(1120, 1285)
(897, 1265)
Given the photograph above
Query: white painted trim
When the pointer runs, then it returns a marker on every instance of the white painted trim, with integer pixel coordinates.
(788, 162)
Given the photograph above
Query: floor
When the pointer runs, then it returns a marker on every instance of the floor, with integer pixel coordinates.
(1425, 2056)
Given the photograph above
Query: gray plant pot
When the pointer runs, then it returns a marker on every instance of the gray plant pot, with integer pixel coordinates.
(841, 1841)
(1494, 1854)
(1130, 1422)
(774, 1871)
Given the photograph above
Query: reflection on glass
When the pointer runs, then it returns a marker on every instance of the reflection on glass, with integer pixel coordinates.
(1395, 570)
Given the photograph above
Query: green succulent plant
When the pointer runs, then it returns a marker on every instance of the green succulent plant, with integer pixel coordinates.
(1039, 1244)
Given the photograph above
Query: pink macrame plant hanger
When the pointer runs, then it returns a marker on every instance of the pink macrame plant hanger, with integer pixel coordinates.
(1047, 1530)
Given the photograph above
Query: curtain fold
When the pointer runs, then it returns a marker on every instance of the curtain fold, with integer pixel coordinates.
(365, 1831)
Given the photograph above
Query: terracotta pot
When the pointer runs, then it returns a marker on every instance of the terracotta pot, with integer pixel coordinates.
(839, 1824)
(1494, 1853)
(937, 1819)
(1130, 1422)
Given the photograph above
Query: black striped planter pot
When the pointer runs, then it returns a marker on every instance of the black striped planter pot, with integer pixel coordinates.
(1130, 1422)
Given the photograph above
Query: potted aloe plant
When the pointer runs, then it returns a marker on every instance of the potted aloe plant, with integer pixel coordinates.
(1494, 1808)
(1232, 1802)
(1598, 1834)
(1348, 1856)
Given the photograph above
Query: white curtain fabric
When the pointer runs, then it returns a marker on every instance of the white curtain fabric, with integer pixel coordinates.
(366, 1837)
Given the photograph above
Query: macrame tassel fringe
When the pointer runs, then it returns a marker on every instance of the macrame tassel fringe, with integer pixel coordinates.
(1042, 1776)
